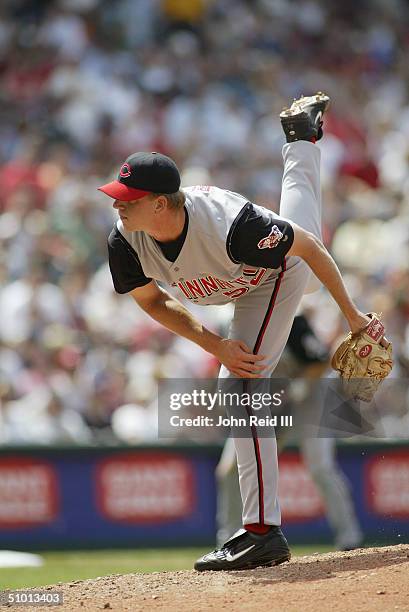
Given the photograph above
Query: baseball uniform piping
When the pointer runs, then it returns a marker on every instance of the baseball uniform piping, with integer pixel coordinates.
(259, 476)
(253, 429)
(270, 308)
(258, 464)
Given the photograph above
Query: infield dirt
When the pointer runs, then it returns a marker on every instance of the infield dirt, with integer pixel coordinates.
(367, 579)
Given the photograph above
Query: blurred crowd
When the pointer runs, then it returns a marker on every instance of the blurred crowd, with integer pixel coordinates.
(86, 82)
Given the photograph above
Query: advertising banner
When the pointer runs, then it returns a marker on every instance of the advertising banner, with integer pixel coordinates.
(81, 498)
(166, 496)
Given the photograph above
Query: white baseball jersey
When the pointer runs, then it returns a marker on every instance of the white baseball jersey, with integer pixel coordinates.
(227, 239)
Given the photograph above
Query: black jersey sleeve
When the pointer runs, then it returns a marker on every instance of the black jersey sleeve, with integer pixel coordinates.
(126, 269)
(259, 238)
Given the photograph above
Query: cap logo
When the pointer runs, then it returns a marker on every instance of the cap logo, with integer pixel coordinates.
(125, 171)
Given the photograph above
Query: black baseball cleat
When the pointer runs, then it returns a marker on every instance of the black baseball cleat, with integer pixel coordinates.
(303, 120)
(246, 550)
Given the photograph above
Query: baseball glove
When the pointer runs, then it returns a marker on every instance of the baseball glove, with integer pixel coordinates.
(364, 359)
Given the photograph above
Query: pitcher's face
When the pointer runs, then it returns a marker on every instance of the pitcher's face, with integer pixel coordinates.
(136, 215)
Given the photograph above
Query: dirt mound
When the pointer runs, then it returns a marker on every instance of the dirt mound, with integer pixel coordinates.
(362, 580)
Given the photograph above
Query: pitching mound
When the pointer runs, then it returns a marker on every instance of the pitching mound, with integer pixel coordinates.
(362, 580)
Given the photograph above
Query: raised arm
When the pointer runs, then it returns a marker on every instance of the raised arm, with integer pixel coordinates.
(313, 252)
(171, 313)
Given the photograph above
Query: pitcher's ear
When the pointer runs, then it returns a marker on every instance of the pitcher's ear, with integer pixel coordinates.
(160, 204)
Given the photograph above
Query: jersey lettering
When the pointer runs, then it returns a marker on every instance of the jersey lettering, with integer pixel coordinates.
(233, 295)
(240, 280)
(224, 284)
(194, 287)
(205, 188)
(184, 289)
(257, 278)
(207, 285)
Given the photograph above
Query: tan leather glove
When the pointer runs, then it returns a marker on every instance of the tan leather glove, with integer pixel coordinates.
(363, 360)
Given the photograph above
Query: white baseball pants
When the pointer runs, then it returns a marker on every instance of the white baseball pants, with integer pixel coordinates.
(263, 320)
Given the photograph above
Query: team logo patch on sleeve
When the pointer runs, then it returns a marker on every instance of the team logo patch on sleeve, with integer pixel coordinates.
(272, 240)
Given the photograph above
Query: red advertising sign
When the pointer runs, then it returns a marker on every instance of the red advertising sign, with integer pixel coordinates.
(387, 484)
(145, 487)
(28, 492)
(298, 495)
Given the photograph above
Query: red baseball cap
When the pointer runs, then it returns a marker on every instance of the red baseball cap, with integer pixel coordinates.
(144, 173)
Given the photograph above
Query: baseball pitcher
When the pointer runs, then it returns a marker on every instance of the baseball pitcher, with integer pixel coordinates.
(217, 247)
